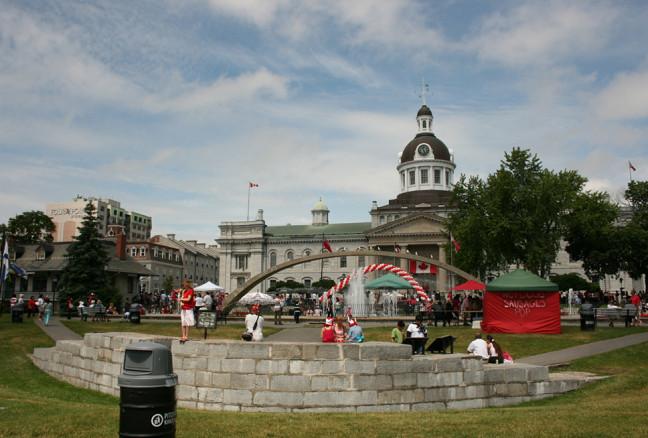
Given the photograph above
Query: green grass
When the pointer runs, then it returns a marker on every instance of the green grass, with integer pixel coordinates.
(36, 405)
(229, 331)
(517, 345)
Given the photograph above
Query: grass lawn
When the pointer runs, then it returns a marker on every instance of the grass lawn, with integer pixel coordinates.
(33, 404)
(517, 345)
(229, 331)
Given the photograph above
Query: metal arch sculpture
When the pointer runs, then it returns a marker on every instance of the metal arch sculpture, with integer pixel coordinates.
(252, 282)
(379, 267)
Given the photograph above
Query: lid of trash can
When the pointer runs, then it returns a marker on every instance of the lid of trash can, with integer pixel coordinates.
(147, 361)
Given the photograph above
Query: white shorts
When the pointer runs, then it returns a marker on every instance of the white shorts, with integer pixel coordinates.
(187, 317)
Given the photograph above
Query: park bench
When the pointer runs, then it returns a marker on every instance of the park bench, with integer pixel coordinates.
(416, 343)
(441, 344)
(612, 315)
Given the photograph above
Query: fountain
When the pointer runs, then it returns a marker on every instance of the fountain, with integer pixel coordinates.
(355, 297)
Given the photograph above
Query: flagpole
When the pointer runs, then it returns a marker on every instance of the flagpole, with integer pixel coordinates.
(248, 203)
(322, 262)
(2, 273)
(630, 171)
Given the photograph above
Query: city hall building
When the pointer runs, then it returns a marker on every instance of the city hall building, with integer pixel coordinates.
(413, 222)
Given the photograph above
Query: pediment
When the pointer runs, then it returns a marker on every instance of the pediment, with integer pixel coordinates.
(414, 224)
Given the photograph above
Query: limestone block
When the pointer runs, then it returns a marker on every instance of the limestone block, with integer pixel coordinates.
(360, 367)
(278, 398)
(248, 350)
(290, 383)
(261, 382)
(238, 365)
(216, 406)
(309, 351)
(87, 353)
(221, 380)
(537, 373)
(494, 374)
(216, 351)
(472, 363)
(474, 403)
(423, 364)
(104, 354)
(384, 351)
(510, 389)
(472, 377)
(427, 380)
(450, 379)
(203, 378)
(476, 391)
(404, 380)
(331, 351)
(330, 383)
(332, 366)
(340, 398)
(505, 401)
(384, 408)
(73, 347)
(231, 408)
(186, 377)
(176, 361)
(351, 351)
(212, 395)
(194, 363)
(337, 410)
(186, 392)
(118, 357)
(237, 396)
(189, 348)
(242, 381)
(428, 406)
(274, 409)
(436, 394)
(94, 340)
(105, 380)
(539, 388)
(272, 366)
(394, 366)
(187, 404)
(401, 396)
(213, 364)
(380, 381)
(448, 364)
(285, 351)
(42, 353)
(505, 373)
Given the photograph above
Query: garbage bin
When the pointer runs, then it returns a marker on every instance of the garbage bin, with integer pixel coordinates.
(588, 317)
(147, 403)
(134, 314)
(17, 312)
(629, 314)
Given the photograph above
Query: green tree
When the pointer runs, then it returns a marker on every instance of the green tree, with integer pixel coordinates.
(573, 281)
(516, 217)
(30, 227)
(168, 283)
(634, 235)
(87, 259)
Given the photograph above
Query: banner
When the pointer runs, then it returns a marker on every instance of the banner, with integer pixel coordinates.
(421, 268)
(521, 312)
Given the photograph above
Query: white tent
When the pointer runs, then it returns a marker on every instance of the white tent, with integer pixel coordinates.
(208, 287)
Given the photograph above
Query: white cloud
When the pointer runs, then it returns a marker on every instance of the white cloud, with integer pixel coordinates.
(626, 97)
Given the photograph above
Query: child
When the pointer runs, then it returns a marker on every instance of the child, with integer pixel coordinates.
(397, 332)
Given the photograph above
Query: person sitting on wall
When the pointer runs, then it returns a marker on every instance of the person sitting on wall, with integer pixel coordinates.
(355, 334)
(478, 347)
(254, 323)
(417, 335)
(495, 352)
(340, 330)
(328, 335)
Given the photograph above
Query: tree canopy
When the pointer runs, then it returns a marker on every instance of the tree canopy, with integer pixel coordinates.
(87, 260)
(518, 215)
(30, 227)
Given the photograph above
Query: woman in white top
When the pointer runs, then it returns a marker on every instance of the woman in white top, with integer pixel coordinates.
(254, 323)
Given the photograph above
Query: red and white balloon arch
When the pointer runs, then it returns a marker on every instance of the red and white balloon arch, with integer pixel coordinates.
(378, 267)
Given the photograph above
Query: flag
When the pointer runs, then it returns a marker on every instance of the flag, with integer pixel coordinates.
(253, 185)
(456, 244)
(421, 268)
(4, 272)
(18, 270)
(397, 248)
(634, 169)
(327, 246)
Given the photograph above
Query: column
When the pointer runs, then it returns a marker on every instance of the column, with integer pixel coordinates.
(442, 275)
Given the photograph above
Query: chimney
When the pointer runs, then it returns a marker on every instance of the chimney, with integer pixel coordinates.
(191, 242)
(259, 215)
(120, 246)
(201, 245)
(171, 236)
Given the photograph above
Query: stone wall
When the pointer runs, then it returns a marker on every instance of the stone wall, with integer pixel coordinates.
(309, 377)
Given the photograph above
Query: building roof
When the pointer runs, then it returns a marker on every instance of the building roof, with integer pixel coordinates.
(439, 149)
(435, 198)
(57, 260)
(318, 230)
(424, 111)
(320, 206)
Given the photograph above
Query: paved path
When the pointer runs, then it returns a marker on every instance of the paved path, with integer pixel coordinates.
(592, 349)
(57, 331)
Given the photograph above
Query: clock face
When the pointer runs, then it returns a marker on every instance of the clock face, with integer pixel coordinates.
(423, 149)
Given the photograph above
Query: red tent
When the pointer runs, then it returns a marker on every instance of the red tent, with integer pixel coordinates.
(521, 302)
(470, 285)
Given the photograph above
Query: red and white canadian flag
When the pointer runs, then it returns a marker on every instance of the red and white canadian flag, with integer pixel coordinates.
(422, 268)
(253, 185)
(327, 246)
(631, 167)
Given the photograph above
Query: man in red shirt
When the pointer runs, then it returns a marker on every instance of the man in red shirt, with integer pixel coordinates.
(636, 301)
(187, 302)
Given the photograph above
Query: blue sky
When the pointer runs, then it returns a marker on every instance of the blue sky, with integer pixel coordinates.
(172, 107)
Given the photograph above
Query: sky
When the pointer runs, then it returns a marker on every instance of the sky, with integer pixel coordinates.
(172, 107)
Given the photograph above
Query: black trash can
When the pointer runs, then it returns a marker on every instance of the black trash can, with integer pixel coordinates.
(134, 313)
(588, 317)
(297, 314)
(147, 399)
(17, 312)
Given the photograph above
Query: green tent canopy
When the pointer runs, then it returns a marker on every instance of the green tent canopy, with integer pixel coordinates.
(521, 281)
(388, 281)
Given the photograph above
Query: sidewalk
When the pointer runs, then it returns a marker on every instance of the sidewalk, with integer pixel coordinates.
(57, 331)
(592, 349)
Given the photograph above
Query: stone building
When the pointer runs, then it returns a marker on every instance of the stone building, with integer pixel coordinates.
(200, 262)
(162, 260)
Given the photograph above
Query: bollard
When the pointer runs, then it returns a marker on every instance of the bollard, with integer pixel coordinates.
(147, 399)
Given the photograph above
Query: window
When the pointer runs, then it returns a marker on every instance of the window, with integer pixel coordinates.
(343, 262)
(403, 179)
(412, 177)
(155, 252)
(448, 178)
(177, 257)
(290, 255)
(382, 219)
(424, 124)
(241, 262)
(361, 261)
(273, 283)
(133, 252)
(437, 176)
(142, 251)
(307, 282)
(240, 281)
(40, 255)
(424, 176)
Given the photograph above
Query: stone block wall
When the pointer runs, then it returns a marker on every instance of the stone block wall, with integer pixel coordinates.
(309, 377)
